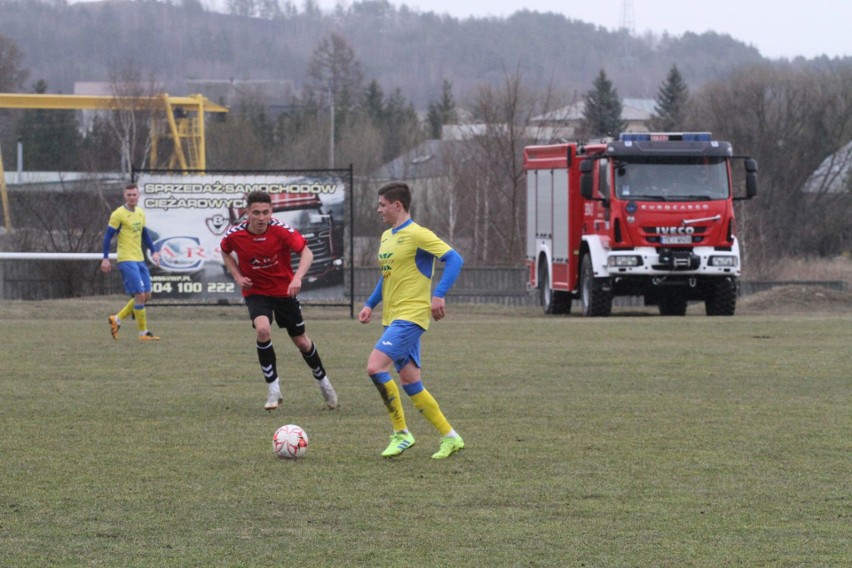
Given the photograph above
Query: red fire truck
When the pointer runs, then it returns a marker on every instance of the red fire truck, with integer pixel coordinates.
(649, 214)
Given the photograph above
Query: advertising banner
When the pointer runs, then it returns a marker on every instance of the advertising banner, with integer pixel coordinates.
(188, 215)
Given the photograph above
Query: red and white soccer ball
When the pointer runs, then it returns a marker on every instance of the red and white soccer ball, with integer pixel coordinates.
(290, 442)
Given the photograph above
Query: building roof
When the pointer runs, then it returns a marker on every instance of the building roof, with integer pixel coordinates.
(632, 109)
(834, 174)
(428, 160)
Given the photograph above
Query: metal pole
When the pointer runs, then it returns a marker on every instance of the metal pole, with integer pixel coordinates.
(331, 142)
(20, 160)
(351, 195)
(7, 215)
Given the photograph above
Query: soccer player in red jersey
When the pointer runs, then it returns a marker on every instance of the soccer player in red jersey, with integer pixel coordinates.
(263, 247)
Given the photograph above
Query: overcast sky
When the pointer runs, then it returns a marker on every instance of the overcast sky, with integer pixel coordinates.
(781, 28)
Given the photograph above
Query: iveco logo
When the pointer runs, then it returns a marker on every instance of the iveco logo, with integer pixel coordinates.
(675, 230)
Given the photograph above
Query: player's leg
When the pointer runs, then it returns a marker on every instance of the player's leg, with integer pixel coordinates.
(141, 297)
(378, 368)
(261, 314)
(141, 316)
(392, 348)
(423, 401)
(123, 313)
(137, 281)
(289, 314)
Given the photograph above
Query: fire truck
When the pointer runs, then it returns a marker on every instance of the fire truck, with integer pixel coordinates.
(648, 214)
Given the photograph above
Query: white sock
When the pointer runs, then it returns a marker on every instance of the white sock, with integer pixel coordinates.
(324, 382)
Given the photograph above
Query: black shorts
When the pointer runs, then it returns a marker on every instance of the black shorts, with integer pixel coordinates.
(286, 311)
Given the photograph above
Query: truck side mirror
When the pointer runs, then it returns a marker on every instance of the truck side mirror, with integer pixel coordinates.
(751, 178)
(587, 179)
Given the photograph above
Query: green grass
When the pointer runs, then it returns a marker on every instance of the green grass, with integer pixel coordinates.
(627, 441)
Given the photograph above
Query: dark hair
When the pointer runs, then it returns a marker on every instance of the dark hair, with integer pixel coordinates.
(257, 196)
(397, 191)
(131, 186)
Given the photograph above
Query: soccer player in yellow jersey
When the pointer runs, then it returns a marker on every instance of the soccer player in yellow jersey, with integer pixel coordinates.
(128, 222)
(407, 257)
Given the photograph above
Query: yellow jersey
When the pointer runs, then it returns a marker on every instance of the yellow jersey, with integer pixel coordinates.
(128, 224)
(407, 258)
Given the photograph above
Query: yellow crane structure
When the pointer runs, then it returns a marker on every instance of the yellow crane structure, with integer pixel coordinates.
(180, 119)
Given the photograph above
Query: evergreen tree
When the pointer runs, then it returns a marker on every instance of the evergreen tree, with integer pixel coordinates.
(50, 138)
(12, 73)
(374, 102)
(671, 103)
(12, 77)
(442, 112)
(401, 127)
(602, 111)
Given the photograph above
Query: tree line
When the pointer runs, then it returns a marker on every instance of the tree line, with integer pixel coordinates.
(790, 118)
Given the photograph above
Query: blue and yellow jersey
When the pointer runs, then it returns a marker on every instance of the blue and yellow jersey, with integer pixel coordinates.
(129, 225)
(407, 258)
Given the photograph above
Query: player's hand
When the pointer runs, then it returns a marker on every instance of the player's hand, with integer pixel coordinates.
(155, 256)
(244, 282)
(438, 308)
(295, 287)
(365, 315)
(106, 265)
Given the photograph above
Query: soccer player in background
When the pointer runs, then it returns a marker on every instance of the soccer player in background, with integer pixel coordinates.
(263, 247)
(128, 222)
(407, 258)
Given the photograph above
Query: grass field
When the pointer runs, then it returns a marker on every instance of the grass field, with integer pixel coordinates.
(626, 441)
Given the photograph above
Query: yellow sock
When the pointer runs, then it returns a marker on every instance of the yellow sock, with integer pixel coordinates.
(390, 395)
(125, 312)
(428, 407)
(141, 318)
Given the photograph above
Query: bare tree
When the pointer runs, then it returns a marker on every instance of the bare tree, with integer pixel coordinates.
(70, 218)
(334, 75)
(494, 173)
(791, 120)
(132, 125)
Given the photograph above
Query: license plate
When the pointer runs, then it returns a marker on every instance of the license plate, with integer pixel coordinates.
(676, 240)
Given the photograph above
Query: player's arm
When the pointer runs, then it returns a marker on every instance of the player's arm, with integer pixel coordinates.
(306, 258)
(366, 313)
(149, 242)
(453, 263)
(110, 232)
(234, 270)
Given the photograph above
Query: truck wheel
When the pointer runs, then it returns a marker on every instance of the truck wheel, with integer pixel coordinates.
(552, 301)
(672, 304)
(544, 290)
(721, 298)
(596, 293)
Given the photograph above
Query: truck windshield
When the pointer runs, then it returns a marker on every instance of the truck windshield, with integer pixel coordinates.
(306, 221)
(672, 179)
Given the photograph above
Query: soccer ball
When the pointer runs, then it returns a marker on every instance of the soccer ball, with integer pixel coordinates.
(290, 442)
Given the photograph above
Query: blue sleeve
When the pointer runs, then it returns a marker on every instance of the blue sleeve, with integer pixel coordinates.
(146, 239)
(376, 297)
(108, 235)
(453, 262)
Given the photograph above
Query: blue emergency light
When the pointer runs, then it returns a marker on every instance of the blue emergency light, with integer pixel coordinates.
(665, 136)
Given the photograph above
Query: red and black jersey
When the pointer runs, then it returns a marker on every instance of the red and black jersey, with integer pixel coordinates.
(265, 258)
